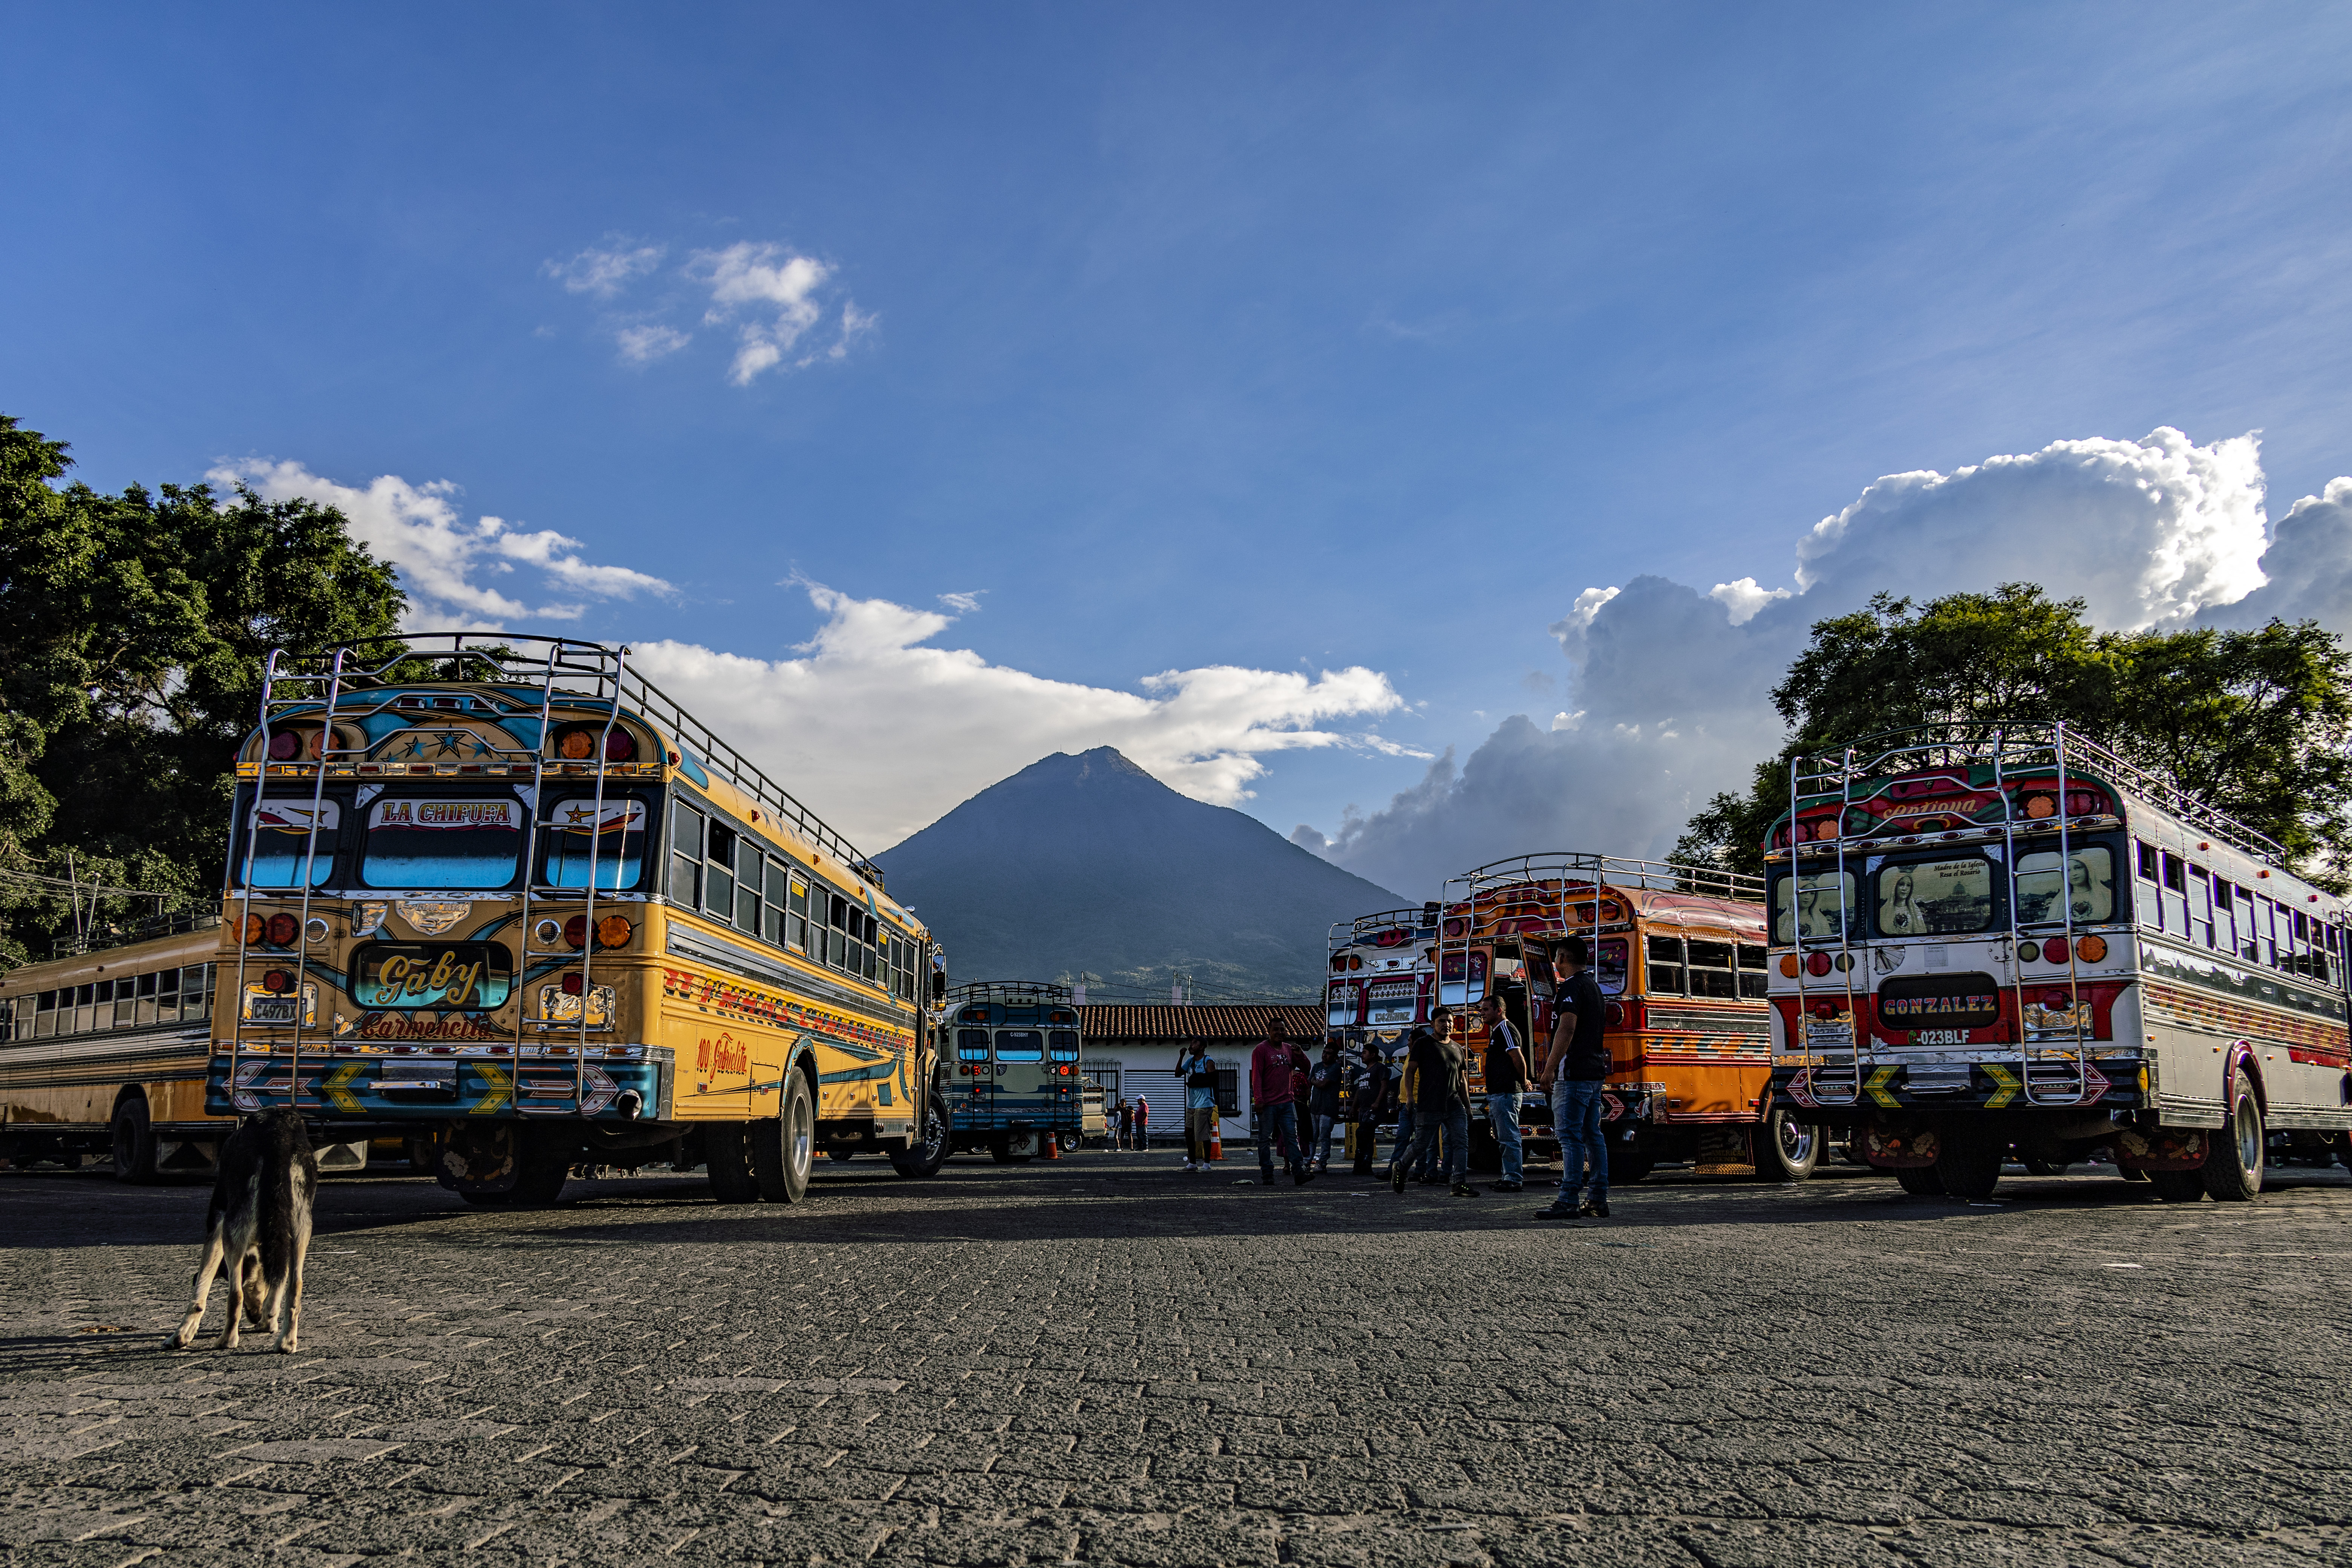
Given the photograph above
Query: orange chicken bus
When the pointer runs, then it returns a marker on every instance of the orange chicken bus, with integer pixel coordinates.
(1679, 951)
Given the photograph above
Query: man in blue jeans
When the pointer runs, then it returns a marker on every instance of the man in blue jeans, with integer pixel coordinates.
(1506, 1074)
(1273, 1112)
(1577, 1066)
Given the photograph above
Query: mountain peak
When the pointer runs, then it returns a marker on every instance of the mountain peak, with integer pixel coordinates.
(1086, 863)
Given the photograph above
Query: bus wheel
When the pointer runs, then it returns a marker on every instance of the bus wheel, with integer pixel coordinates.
(542, 1167)
(785, 1147)
(2178, 1186)
(930, 1150)
(134, 1142)
(1920, 1181)
(1787, 1150)
(725, 1151)
(2233, 1160)
(1968, 1164)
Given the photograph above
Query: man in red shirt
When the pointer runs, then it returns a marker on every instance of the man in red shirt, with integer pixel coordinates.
(1274, 1113)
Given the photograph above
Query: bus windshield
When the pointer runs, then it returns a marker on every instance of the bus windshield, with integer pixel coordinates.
(282, 840)
(439, 844)
(616, 836)
(1020, 1046)
(1934, 898)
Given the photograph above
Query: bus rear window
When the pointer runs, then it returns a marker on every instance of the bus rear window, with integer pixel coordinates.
(435, 844)
(1020, 1046)
(614, 837)
(2086, 890)
(971, 1045)
(1064, 1044)
(1932, 898)
(281, 841)
(1807, 904)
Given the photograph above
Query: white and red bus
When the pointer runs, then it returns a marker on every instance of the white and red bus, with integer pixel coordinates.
(1991, 944)
(1383, 969)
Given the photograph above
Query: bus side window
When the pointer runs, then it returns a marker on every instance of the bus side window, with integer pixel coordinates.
(746, 883)
(1710, 969)
(685, 857)
(2200, 906)
(2175, 895)
(2241, 922)
(797, 916)
(1664, 954)
(777, 884)
(2148, 903)
(1753, 979)
(718, 873)
(45, 1015)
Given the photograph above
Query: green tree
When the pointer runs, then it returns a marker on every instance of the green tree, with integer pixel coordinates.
(2255, 722)
(132, 629)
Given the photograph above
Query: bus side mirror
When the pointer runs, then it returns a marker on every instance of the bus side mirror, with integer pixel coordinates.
(939, 986)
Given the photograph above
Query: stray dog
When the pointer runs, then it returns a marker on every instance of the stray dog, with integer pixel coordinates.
(259, 1226)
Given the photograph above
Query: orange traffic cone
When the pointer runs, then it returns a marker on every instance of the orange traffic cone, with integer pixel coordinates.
(1216, 1145)
(1052, 1146)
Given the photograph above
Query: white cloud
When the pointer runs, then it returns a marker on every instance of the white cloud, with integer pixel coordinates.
(962, 604)
(1744, 597)
(645, 345)
(1672, 685)
(881, 734)
(778, 288)
(440, 556)
(605, 272)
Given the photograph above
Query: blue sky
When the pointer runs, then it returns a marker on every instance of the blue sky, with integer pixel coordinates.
(1296, 339)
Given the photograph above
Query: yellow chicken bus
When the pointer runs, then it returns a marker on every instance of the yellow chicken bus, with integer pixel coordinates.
(501, 893)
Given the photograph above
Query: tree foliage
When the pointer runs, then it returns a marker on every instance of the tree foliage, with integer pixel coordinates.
(132, 631)
(2255, 722)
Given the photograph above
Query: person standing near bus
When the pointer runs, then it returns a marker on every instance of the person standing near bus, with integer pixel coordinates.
(1273, 1112)
(1122, 1124)
(1441, 1111)
(1323, 1102)
(1575, 1068)
(1199, 1070)
(1368, 1094)
(1143, 1123)
(1506, 1074)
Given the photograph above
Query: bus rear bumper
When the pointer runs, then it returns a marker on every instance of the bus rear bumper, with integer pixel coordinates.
(619, 1085)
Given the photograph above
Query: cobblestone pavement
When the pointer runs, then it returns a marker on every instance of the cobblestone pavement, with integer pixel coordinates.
(1107, 1361)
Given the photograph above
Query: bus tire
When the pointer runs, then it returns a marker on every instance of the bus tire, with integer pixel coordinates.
(843, 1155)
(725, 1151)
(1920, 1181)
(543, 1165)
(1787, 1150)
(1968, 1164)
(930, 1150)
(2178, 1186)
(134, 1142)
(784, 1150)
(2233, 1160)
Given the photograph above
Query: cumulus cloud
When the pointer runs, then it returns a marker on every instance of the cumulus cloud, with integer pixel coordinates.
(777, 290)
(1671, 686)
(604, 271)
(774, 300)
(441, 557)
(881, 733)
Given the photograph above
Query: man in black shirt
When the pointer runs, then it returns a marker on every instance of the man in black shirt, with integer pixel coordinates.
(1575, 1067)
(1368, 1097)
(1506, 1074)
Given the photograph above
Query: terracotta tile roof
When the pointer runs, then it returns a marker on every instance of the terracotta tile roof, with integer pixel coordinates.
(1174, 1025)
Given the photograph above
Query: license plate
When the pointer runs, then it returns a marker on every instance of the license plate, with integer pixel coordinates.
(1939, 1037)
(1819, 1031)
(269, 1009)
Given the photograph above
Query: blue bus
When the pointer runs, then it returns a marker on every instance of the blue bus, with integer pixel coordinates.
(1012, 1079)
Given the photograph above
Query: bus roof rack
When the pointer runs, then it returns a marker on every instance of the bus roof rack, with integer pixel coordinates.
(1611, 871)
(2013, 748)
(584, 673)
(1008, 991)
(1412, 918)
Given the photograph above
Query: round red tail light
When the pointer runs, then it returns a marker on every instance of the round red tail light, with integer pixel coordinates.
(283, 929)
(2056, 1001)
(2054, 951)
(277, 982)
(1817, 964)
(574, 985)
(575, 930)
(285, 746)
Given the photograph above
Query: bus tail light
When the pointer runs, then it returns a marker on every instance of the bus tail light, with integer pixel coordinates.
(577, 743)
(573, 984)
(2056, 1001)
(612, 930)
(283, 929)
(257, 931)
(2054, 949)
(1817, 964)
(277, 982)
(2091, 948)
(1788, 966)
